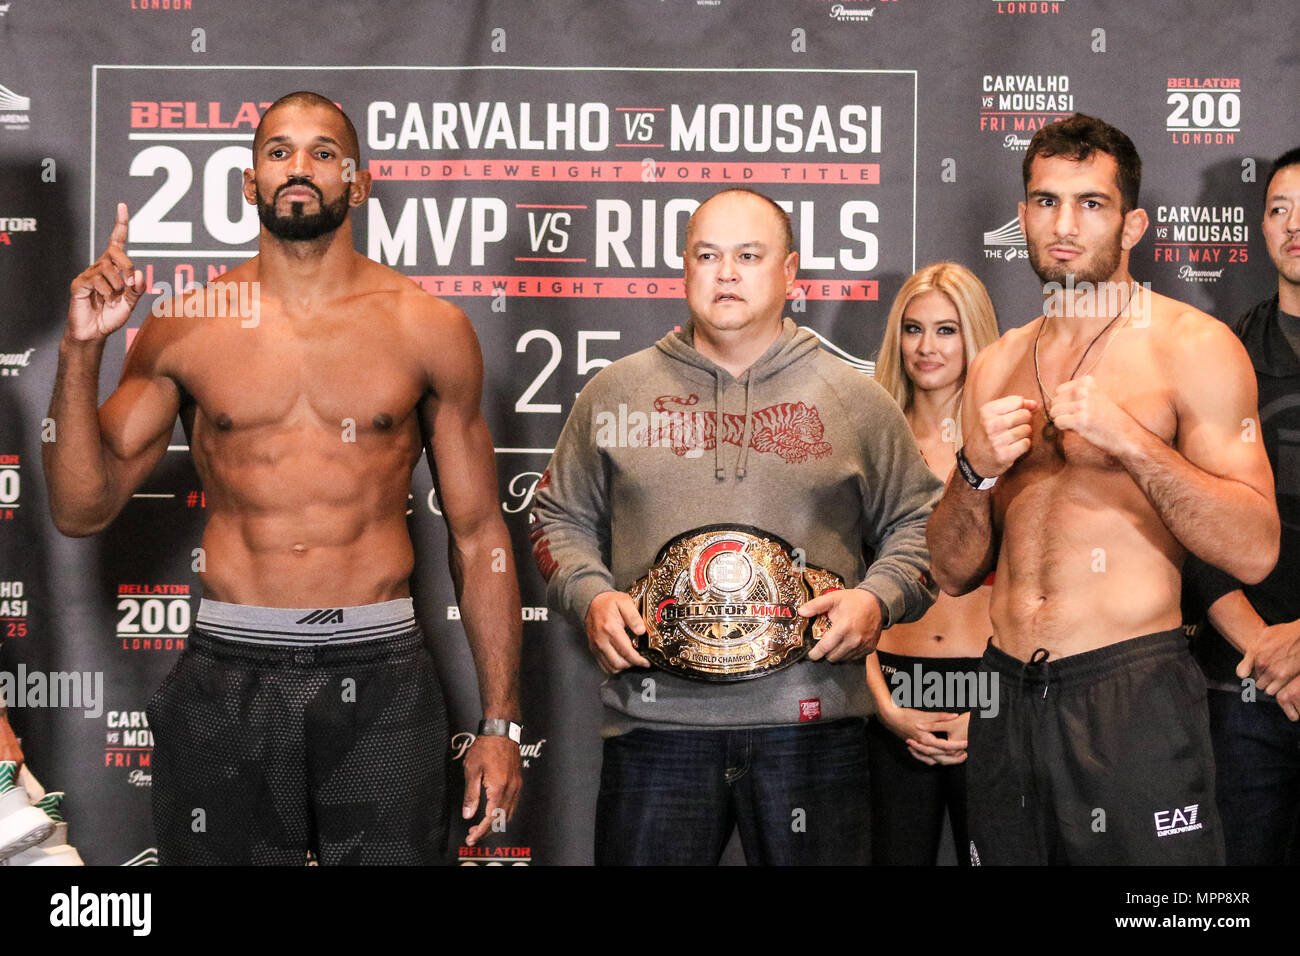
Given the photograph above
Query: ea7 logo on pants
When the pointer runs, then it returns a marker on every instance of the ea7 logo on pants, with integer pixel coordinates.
(1169, 822)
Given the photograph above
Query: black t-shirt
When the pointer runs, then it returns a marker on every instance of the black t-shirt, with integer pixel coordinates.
(1272, 339)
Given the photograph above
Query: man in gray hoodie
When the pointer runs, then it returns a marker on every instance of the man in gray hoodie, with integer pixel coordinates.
(797, 444)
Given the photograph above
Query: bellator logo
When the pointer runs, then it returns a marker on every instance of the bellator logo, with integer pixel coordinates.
(10, 486)
(724, 569)
(1203, 110)
(153, 617)
(495, 855)
(721, 603)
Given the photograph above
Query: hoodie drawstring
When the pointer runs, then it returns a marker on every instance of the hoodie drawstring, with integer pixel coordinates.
(747, 433)
(720, 430)
(717, 426)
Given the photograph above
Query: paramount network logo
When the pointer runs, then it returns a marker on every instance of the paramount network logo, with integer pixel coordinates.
(10, 362)
(842, 13)
(461, 742)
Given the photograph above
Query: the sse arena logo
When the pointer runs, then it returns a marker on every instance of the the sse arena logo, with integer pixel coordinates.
(11, 486)
(13, 609)
(866, 366)
(1203, 110)
(1203, 240)
(153, 617)
(1013, 106)
(14, 110)
(1006, 242)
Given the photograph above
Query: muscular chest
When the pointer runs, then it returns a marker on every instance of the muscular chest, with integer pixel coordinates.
(328, 376)
(1130, 375)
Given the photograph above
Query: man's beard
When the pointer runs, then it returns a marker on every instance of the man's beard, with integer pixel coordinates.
(298, 226)
(1104, 264)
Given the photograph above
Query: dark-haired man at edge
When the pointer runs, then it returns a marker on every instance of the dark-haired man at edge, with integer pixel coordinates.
(1253, 632)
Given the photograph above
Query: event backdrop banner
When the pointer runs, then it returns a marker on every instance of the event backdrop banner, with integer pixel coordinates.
(536, 163)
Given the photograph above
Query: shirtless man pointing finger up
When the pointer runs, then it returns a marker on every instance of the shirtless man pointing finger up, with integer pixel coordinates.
(1104, 441)
(304, 713)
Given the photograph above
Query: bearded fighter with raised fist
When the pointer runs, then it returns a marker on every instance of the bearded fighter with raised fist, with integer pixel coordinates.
(1105, 440)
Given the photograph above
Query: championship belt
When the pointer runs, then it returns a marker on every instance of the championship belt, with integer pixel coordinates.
(719, 604)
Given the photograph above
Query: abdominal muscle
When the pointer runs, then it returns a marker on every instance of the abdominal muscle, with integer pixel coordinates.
(1085, 562)
(365, 565)
(312, 523)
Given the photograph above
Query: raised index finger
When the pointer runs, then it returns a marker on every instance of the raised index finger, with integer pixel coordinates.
(118, 236)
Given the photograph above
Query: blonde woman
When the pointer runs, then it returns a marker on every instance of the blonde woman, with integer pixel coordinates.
(940, 319)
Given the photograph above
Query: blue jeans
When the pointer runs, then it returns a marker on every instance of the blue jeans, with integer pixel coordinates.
(1257, 753)
(799, 794)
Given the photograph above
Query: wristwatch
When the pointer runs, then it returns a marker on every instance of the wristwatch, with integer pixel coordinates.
(500, 727)
(972, 477)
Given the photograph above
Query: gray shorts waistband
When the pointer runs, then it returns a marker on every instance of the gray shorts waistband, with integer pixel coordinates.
(295, 627)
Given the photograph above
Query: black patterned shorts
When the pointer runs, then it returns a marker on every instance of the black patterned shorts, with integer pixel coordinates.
(264, 752)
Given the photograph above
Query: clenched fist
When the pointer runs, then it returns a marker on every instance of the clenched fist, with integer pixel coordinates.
(1002, 436)
(1083, 407)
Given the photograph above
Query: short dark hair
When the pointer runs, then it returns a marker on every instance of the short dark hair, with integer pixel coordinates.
(1076, 138)
(786, 229)
(1290, 158)
(307, 98)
